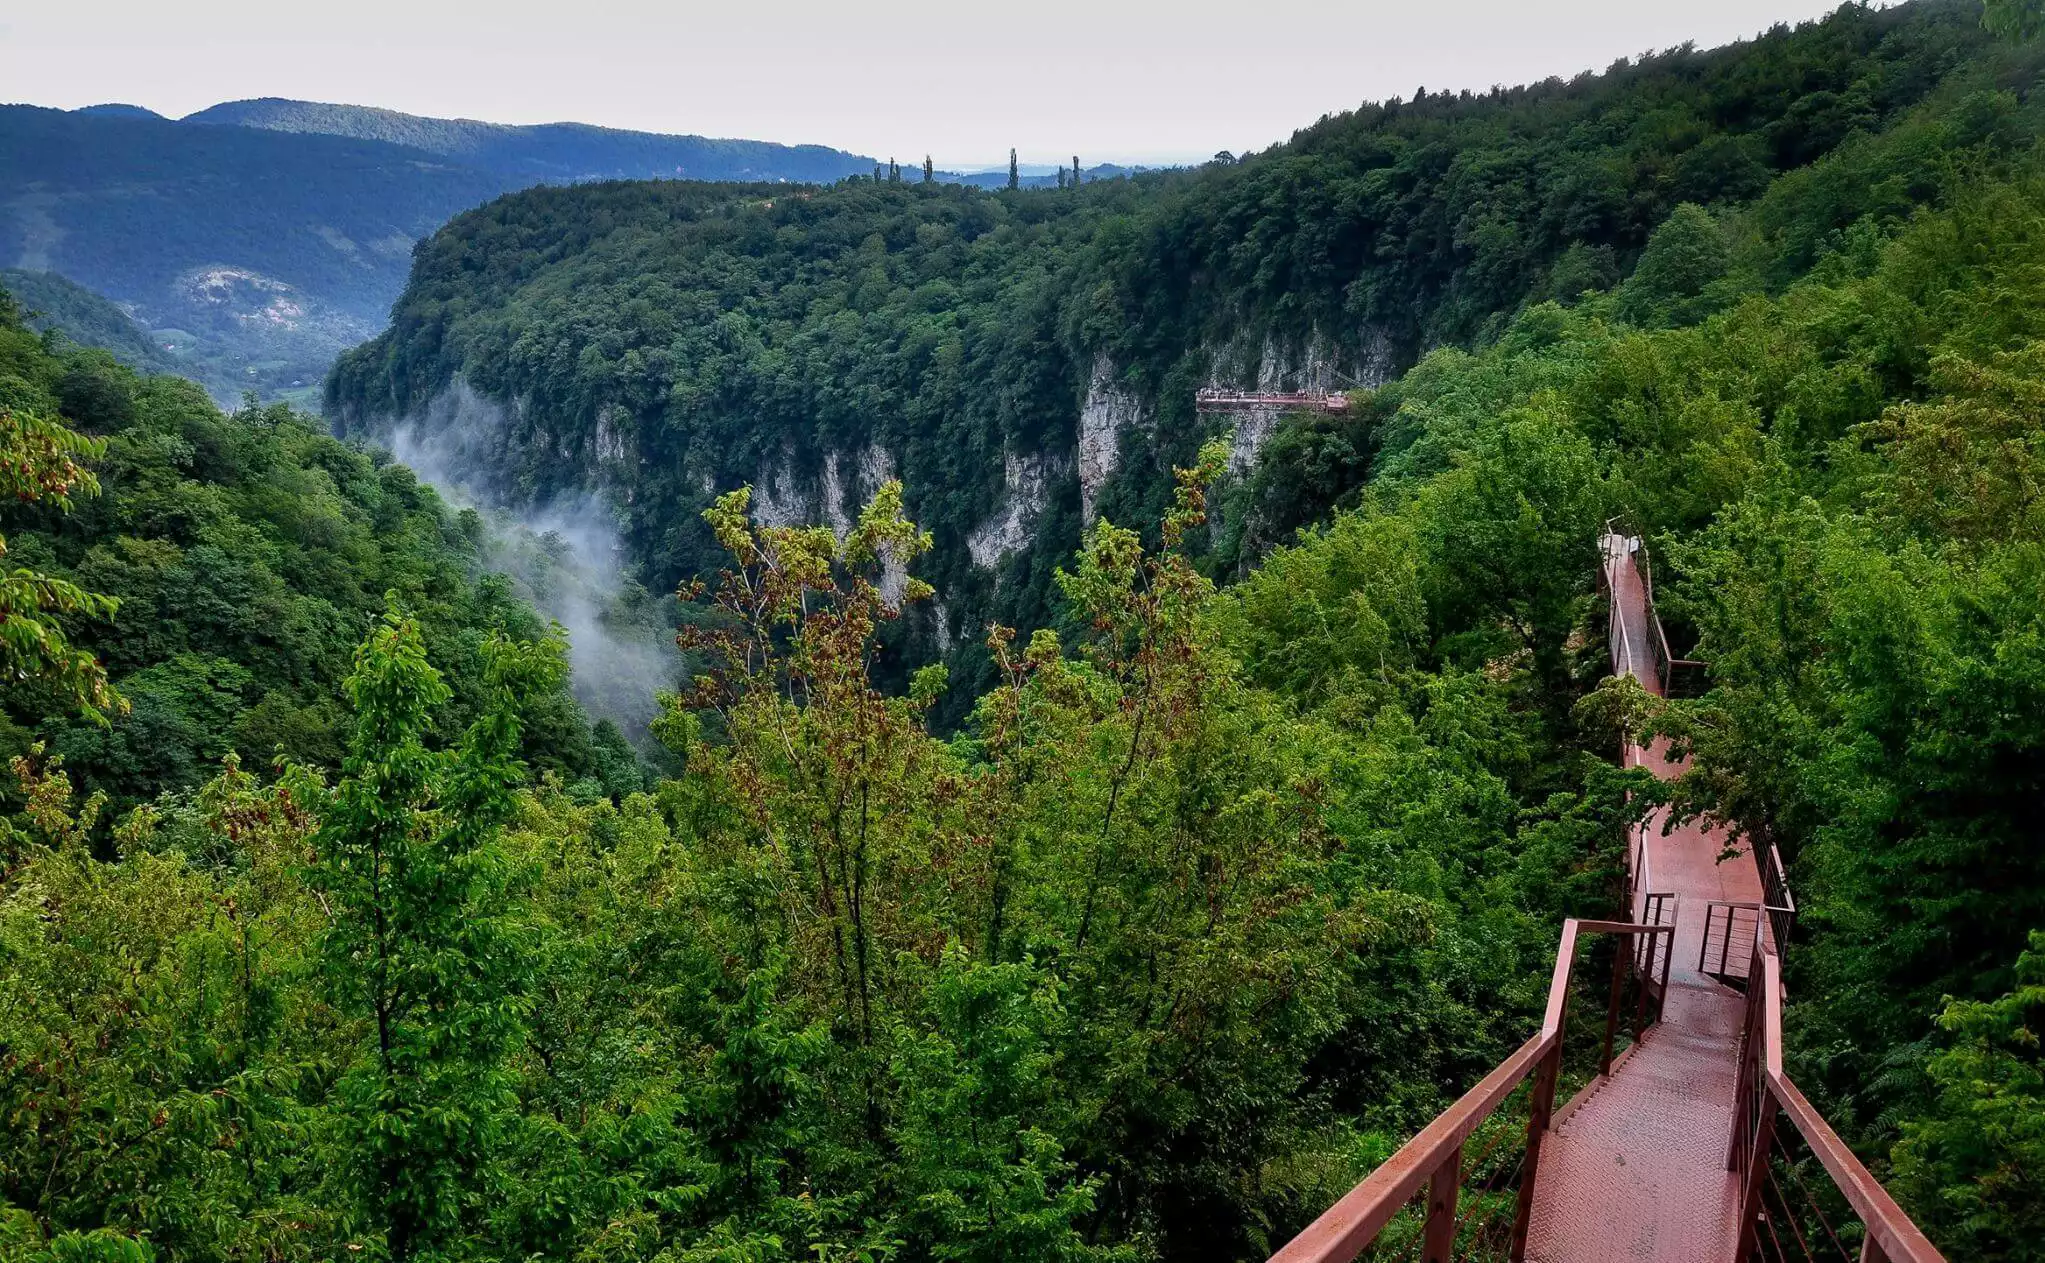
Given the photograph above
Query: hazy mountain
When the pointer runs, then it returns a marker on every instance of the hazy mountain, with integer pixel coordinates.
(548, 152)
(227, 364)
(273, 234)
(284, 248)
(118, 109)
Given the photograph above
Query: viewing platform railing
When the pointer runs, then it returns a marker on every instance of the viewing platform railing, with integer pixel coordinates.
(1215, 399)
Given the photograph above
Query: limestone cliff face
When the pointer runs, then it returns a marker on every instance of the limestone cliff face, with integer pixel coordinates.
(1012, 529)
(657, 475)
(1111, 412)
(1270, 365)
(1114, 415)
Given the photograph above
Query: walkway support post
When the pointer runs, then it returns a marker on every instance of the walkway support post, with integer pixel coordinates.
(1621, 957)
(1756, 1174)
(1540, 1110)
(1440, 1242)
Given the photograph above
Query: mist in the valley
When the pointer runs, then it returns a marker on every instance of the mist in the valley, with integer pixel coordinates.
(566, 558)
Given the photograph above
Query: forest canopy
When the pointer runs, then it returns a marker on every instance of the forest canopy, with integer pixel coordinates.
(1170, 913)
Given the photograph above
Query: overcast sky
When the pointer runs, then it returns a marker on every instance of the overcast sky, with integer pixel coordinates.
(1108, 79)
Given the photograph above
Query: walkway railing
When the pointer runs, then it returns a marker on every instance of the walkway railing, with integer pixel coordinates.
(1804, 1195)
(1775, 888)
(1678, 677)
(1464, 1188)
(1427, 1201)
(1217, 399)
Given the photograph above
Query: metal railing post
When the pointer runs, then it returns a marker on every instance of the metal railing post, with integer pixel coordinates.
(1661, 1003)
(1440, 1240)
(1612, 1009)
(1746, 1082)
(1642, 973)
(1757, 1168)
(1540, 1110)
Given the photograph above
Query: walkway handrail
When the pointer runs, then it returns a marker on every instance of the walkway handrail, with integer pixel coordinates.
(1763, 1090)
(1346, 1229)
(1617, 640)
(1774, 886)
(1666, 663)
(1434, 1157)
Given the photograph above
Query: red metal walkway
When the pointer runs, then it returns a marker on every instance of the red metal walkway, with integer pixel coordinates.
(1673, 1151)
(1635, 1168)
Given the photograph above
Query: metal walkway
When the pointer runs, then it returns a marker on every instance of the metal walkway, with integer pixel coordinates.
(1635, 1168)
(1685, 1145)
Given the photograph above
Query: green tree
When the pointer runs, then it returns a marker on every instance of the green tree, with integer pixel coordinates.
(39, 464)
(1672, 283)
(2014, 20)
(420, 948)
(1974, 1166)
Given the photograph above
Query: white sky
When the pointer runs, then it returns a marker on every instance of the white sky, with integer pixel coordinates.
(1112, 80)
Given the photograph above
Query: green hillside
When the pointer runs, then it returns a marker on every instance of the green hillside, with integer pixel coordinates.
(48, 301)
(248, 551)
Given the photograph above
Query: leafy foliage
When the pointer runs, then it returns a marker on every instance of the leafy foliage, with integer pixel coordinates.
(1210, 894)
(39, 465)
(1147, 960)
(240, 558)
(1974, 1160)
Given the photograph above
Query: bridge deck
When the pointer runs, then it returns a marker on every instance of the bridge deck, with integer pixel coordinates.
(1637, 1168)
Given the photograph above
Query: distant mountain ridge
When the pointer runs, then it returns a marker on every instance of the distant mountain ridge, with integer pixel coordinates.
(547, 152)
(267, 236)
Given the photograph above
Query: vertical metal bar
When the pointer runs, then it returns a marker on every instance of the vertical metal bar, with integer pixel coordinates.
(1640, 978)
(1440, 1236)
(1871, 1250)
(1726, 944)
(1704, 943)
(1746, 1083)
(1757, 1168)
(1668, 951)
(1539, 1111)
(1612, 1010)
